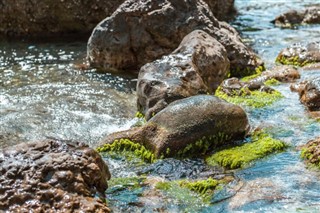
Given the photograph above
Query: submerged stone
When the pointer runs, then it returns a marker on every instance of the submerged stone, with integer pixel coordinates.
(52, 176)
(188, 127)
(238, 157)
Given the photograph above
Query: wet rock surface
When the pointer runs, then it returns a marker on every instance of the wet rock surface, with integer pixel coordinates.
(311, 152)
(222, 9)
(310, 15)
(52, 176)
(141, 31)
(309, 92)
(186, 121)
(300, 54)
(46, 18)
(197, 66)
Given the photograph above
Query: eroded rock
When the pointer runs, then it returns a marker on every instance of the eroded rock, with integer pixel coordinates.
(197, 66)
(300, 54)
(43, 18)
(190, 126)
(310, 15)
(139, 32)
(311, 152)
(222, 9)
(309, 92)
(52, 176)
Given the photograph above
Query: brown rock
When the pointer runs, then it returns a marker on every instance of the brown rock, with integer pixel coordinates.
(141, 31)
(52, 176)
(222, 9)
(43, 18)
(310, 15)
(197, 66)
(309, 92)
(186, 121)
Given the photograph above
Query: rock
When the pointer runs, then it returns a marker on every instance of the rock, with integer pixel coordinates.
(310, 15)
(139, 32)
(45, 18)
(311, 152)
(309, 93)
(190, 126)
(52, 176)
(197, 66)
(300, 54)
(223, 10)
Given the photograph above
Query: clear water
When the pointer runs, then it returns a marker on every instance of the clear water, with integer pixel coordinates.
(44, 93)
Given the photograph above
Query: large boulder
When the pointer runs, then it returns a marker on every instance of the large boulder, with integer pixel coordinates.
(190, 126)
(310, 15)
(197, 66)
(42, 18)
(300, 54)
(52, 176)
(139, 32)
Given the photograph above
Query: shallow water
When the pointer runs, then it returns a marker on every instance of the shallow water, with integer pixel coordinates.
(44, 93)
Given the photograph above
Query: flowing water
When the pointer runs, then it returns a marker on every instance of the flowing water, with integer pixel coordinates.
(45, 93)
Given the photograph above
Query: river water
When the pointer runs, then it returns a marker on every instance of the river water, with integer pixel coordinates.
(45, 93)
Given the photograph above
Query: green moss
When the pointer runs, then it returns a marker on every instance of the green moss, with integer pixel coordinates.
(139, 115)
(201, 187)
(255, 99)
(272, 82)
(202, 145)
(310, 153)
(128, 145)
(294, 60)
(237, 157)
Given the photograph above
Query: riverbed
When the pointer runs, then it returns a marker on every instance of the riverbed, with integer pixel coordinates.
(46, 93)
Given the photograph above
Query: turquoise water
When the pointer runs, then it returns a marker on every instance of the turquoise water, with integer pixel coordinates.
(45, 93)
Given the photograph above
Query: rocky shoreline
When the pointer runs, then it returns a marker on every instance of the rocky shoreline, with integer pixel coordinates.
(195, 76)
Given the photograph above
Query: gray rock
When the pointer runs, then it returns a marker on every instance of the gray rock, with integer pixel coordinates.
(197, 66)
(52, 176)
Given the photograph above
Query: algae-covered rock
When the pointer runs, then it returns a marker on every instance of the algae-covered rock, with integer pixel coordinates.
(190, 126)
(240, 156)
(300, 54)
(309, 92)
(52, 176)
(253, 93)
(311, 153)
(197, 66)
(139, 32)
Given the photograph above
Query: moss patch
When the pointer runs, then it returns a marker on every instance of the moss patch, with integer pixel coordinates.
(191, 190)
(237, 157)
(272, 82)
(255, 99)
(294, 60)
(126, 182)
(128, 145)
(311, 153)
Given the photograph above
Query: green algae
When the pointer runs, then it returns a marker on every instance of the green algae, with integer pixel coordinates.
(311, 154)
(191, 190)
(272, 82)
(132, 182)
(255, 99)
(201, 146)
(238, 157)
(294, 60)
(139, 115)
(128, 145)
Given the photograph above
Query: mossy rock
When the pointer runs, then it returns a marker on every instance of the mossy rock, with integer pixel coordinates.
(246, 72)
(311, 153)
(294, 60)
(255, 99)
(238, 157)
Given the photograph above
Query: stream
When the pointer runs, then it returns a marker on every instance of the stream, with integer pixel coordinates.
(44, 93)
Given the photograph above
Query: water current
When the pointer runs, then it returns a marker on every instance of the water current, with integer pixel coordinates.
(44, 93)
